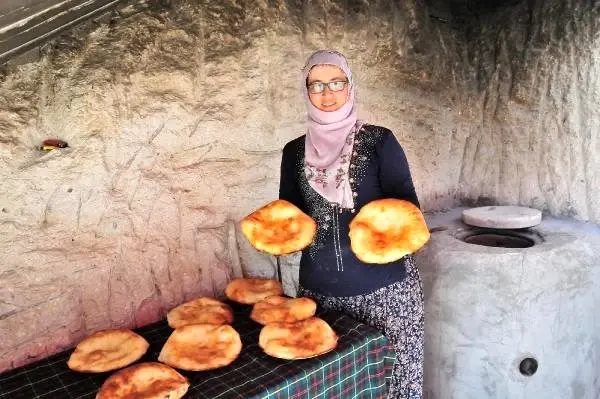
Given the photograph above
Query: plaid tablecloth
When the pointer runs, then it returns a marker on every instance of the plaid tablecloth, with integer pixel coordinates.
(358, 368)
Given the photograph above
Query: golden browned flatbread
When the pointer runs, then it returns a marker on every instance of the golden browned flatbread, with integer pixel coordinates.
(200, 311)
(107, 350)
(252, 290)
(280, 309)
(144, 381)
(198, 347)
(299, 340)
(279, 228)
(386, 230)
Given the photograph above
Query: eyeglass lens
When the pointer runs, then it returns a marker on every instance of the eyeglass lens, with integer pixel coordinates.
(319, 87)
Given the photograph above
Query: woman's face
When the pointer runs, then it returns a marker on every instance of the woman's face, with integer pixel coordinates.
(323, 94)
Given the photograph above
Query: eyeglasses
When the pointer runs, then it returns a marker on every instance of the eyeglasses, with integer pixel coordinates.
(318, 87)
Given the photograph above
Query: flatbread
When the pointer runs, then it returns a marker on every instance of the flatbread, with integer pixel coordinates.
(386, 230)
(198, 347)
(281, 309)
(107, 350)
(279, 228)
(300, 340)
(202, 310)
(149, 380)
(252, 290)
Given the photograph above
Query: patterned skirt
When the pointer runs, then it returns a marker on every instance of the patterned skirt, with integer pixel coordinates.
(396, 311)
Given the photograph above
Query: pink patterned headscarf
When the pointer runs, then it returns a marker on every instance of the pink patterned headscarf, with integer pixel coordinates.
(330, 137)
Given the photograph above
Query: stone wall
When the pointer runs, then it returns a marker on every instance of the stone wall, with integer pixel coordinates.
(175, 119)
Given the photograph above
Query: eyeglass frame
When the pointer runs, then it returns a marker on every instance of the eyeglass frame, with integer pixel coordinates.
(327, 85)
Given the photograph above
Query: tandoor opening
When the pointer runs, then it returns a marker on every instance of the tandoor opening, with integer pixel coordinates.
(498, 239)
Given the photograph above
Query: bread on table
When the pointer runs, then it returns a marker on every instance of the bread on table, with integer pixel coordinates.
(202, 310)
(249, 291)
(198, 347)
(107, 350)
(149, 380)
(299, 340)
(281, 309)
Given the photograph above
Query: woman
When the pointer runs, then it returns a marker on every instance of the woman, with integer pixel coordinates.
(340, 165)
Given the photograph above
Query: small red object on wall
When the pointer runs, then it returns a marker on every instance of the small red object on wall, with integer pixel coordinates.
(53, 144)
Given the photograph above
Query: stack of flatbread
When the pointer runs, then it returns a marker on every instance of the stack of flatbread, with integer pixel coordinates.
(113, 349)
(291, 331)
(202, 340)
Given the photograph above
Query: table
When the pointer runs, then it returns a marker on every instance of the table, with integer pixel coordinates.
(358, 368)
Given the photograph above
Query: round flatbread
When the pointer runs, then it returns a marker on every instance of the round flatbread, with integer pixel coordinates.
(252, 290)
(386, 230)
(280, 309)
(149, 380)
(107, 350)
(198, 347)
(200, 311)
(300, 340)
(279, 228)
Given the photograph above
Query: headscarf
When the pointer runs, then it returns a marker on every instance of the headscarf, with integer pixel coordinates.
(330, 137)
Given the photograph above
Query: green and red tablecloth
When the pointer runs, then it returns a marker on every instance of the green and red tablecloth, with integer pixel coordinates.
(358, 368)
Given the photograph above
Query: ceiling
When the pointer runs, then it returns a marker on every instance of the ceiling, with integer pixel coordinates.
(27, 23)
(466, 9)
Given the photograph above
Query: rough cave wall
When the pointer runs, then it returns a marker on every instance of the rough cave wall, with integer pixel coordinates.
(176, 116)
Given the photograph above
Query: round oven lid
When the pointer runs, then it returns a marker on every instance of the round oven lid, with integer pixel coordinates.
(502, 217)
